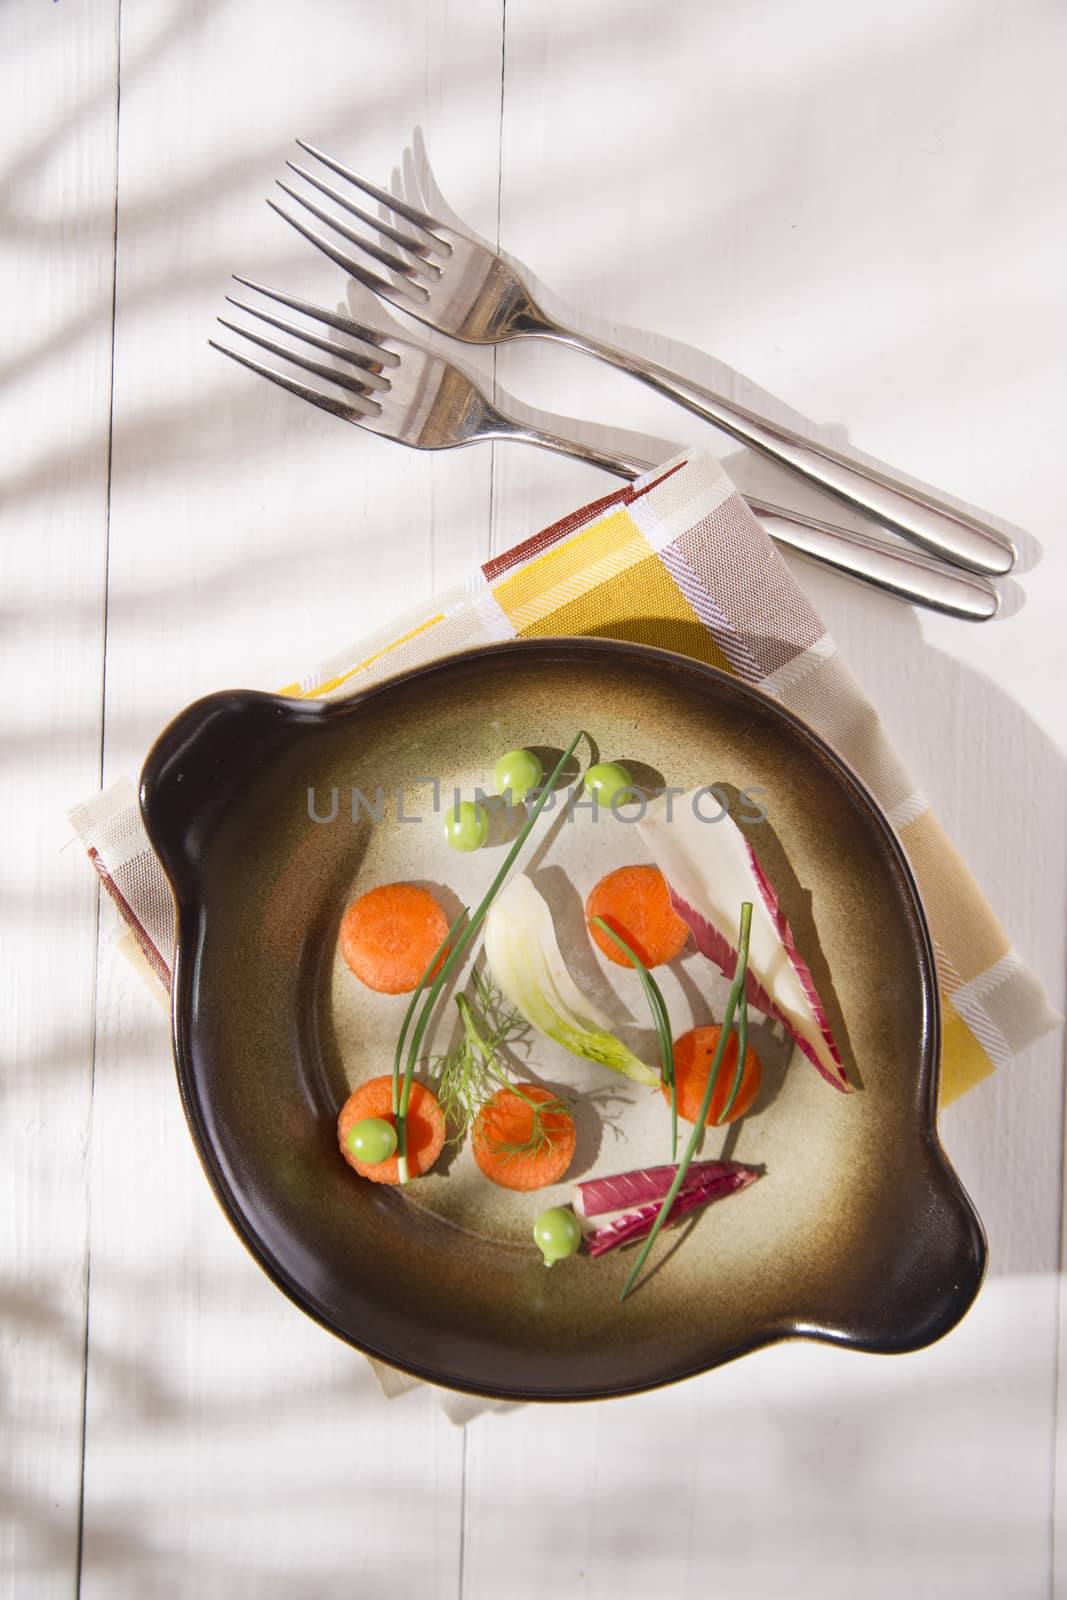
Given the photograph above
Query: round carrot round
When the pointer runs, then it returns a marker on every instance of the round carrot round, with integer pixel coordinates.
(426, 1127)
(693, 1055)
(507, 1120)
(390, 934)
(635, 902)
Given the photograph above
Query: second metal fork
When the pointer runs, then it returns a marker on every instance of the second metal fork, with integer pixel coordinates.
(457, 285)
(395, 388)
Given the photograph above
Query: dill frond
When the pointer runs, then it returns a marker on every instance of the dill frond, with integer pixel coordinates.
(472, 1071)
(541, 1137)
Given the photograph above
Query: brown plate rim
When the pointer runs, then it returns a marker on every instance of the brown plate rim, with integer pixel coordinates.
(181, 873)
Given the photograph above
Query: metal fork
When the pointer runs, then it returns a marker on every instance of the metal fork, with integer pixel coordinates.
(460, 287)
(395, 388)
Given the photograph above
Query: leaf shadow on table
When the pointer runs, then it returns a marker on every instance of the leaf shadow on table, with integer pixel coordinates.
(233, 169)
(144, 1416)
(786, 1427)
(142, 1407)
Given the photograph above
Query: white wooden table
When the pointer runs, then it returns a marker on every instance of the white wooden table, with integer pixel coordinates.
(861, 208)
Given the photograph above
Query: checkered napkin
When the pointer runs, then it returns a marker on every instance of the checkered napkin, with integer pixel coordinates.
(675, 559)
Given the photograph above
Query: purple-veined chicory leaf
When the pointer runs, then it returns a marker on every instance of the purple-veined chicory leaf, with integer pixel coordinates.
(704, 1182)
(709, 869)
(625, 1190)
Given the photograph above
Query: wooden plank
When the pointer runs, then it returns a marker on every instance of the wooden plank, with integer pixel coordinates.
(230, 1441)
(58, 77)
(799, 1470)
(853, 212)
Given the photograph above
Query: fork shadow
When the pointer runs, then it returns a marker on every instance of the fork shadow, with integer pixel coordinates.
(626, 451)
(415, 182)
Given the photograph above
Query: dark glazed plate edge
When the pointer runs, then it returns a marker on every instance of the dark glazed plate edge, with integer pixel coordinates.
(274, 718)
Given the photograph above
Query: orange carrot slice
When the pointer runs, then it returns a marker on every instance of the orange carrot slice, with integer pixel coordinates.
(507, 1119)
(693, 1055)
(635, 902)
(426, 1127)
(389, 935)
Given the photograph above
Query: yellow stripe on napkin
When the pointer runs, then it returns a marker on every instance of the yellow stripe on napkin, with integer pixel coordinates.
(606, 580)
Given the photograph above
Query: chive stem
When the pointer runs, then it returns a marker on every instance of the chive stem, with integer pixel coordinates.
(410, 1012)
(661, 1021)
(455, 955)
(736, 997)
(741, 1029)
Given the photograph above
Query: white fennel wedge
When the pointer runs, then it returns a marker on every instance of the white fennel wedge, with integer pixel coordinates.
(525, 962)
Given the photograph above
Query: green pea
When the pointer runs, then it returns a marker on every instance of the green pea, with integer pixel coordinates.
(467, 826)
(557, 1234)
(372, 1140)
(517, 773)
(608, 783)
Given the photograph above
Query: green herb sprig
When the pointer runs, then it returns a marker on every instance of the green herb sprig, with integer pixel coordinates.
(472, 1072)
(737, 999)
(661, 1021)
(741, 1029)
(453, 959)
(468, 1074)
(541, 1136)
(413, 1002)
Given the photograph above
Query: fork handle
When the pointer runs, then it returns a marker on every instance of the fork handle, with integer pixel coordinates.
(939, 528)
(908, 574)
(895, 569)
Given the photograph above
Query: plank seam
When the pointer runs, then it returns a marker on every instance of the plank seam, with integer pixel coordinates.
(464, 1458)
(499, 203)
(1058, 1399)
(80, 1542)
(462, 1516)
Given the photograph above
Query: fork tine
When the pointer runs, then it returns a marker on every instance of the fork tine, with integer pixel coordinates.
(401, 207)
(329, 347)
(331, 374)
(404, 240)
(326, 402)
(370, 280)
(333, 319)
(394, 263)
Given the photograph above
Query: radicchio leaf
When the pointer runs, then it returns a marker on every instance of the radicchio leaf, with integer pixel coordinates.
(623, 1227)
(625, 1190)
(709, 868)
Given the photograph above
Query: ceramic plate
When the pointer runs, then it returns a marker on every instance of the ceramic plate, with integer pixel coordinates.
(271, 815)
